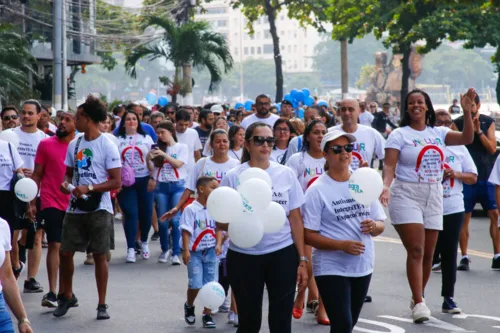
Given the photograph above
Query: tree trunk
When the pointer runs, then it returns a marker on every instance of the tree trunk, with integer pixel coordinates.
(176, 84)
(271, 15)
(406, 76)
(187, 84)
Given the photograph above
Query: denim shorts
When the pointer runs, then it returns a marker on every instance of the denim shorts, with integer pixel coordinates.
(202, 268)
(5, 320)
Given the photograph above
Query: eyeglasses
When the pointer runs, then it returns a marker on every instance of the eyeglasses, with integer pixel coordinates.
(7, 118)
(444, 123)
(283, 130)
(260, 140)
(338, 149)
(263, 103)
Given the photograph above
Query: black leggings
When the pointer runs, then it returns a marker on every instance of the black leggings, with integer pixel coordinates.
(249, 273)
(223, 278)
(446, 250)
(343, 298)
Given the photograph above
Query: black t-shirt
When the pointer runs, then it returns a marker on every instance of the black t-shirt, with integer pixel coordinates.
(203, 135)
(484, 161)
(380, 121)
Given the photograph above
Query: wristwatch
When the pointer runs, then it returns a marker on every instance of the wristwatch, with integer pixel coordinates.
(91, 187)
(303, 259)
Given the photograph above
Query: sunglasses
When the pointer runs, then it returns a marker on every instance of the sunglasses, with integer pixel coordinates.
(338, 149)
(7, 118)
(260, 140)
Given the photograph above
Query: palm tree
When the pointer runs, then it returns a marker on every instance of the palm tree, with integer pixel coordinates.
(16, 65)
(187, 45)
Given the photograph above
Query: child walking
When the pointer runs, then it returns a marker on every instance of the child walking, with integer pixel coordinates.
(201, 244)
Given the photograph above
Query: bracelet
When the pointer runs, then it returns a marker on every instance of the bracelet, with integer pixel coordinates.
(23, 321)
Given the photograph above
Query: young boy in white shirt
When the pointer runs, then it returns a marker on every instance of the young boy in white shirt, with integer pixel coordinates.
(201, 244)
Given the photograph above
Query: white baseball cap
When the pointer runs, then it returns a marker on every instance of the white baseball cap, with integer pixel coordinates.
(334, 135)
(216, 108)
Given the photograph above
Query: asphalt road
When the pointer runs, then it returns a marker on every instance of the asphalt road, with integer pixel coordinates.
(148, 297)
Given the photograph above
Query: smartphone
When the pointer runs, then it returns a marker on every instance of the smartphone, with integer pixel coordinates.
(154, 146)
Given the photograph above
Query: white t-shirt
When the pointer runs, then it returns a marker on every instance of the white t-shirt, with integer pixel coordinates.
(6, 166)
(368, 141)
(195, 124)
(495, 173)
(236, 154)
(278, 154)
(330, 209)
(140, 151)
(94, 159)
(457, 158)
(28, 144)
(206, 167)
(167, 173)
(365, 118)
(191, 139)
(196, 220)
(421, 157)
(4, 242)
(286, 191)
(294, 146)
(253, 119)
(306, 168)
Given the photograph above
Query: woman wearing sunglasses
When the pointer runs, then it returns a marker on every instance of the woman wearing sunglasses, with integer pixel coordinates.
(414, 157)
(278, 260)
(459, 169)
(308, 166)
(340, 231)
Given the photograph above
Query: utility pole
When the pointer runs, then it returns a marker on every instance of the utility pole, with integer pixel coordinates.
(57, 69)
(343, 64)
(64, 55)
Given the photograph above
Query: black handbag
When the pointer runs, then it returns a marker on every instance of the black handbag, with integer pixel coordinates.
(93, 200)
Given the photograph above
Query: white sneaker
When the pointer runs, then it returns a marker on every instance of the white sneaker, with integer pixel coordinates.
(176, 261)
(235, 321)
(412, 303)
(118, 216)
(145, 250)
(163, 257)
(130, 255)
(421, 313)
(230, 317)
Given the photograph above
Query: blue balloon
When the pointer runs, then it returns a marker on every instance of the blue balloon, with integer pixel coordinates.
(306, 92)
(248, 105)
(239, 105)
(278, 106)
(295, 103)
(299, 96)
(151, 98)
(309, 101)
(322, 103)
(300, 113)
(288, 97)
(163, 100)
(293, 93)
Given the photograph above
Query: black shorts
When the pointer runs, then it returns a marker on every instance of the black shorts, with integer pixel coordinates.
(7, 210)
(52, 221)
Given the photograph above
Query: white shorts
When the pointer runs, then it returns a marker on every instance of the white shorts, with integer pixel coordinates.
(416, 203)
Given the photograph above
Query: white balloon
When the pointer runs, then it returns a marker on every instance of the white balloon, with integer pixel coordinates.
(273, 217)
(247, 231)
(224, 204)
(365, 186)
(212, 295)
(10, 136)
(256, 193)
(26, 189)
(252, 173)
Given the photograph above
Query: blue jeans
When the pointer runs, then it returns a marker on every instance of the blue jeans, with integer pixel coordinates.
(5, 321)
(202, 268)
(167, 195)
(137, 205)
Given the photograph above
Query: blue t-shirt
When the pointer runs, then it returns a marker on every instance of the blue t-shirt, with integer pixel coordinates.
(148, 129)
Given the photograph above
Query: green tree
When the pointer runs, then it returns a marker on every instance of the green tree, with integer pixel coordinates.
(365, 75)
(187, 45)
(16, 65)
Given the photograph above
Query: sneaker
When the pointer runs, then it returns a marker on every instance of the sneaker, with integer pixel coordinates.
(18, 271)
(130, 255)
(208, 322)
(412, 303)
(224, 308)
(102, 312)
(464, 264)
(32, 286)
(89, 260)
(64, 305)
(236, 323)
(49, 300)
(436, 268)
(449, 306)
(118, 216)
(495, 264)
(145, 251)
(155, 236)
(230, 317)
(163, 258)
(138, 248)
(189, 315)
(176, 261)
(421, 313)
